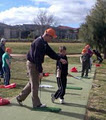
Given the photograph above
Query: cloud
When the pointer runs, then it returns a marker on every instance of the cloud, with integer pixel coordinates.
(73, 11)
(67, 11)
(18, 15)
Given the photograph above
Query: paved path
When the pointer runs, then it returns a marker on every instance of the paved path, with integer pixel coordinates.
(18, 55)
(74, 109)
(24, 55)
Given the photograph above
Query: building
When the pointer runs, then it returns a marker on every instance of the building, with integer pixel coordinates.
(31, 30)
(65, 32)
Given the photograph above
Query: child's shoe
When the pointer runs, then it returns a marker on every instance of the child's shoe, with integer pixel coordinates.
(82, 76)
(62, 101)
(86, 76)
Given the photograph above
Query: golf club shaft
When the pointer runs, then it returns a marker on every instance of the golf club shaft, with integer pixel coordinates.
(40, 87)
(73, 76)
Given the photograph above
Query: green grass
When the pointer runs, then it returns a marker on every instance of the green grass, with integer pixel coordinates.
(97, 99)
(22, 48)
(18, 47)
(50, 64)
(18, 69)
(19, 74)
(72, 48)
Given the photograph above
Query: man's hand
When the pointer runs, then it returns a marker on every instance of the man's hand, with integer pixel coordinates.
(63, 61)
(40, 75)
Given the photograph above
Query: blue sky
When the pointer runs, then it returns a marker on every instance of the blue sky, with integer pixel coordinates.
(68, 12)
(8, 4)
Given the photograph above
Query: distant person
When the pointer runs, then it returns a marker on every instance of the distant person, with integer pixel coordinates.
(82, 53)
(89, 50)
(6, 65)
(61, 75)
(98, 55)
(2, 51)
(35, 57)
(85, 63)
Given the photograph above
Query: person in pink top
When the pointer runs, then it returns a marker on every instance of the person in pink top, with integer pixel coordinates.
(90, 52)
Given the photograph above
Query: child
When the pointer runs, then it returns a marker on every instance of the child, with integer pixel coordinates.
(6, 65)
(89, 50)
(85, 62)
(61, 72)
(83, 51)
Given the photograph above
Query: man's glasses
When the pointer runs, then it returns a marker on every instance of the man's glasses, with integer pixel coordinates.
(50, 36)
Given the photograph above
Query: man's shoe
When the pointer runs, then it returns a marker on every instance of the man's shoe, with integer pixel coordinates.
(40, 106)
(62, 101)
(19, 101)
(52, 98)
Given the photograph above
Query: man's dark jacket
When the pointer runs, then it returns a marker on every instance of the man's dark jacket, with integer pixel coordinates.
(39, 48)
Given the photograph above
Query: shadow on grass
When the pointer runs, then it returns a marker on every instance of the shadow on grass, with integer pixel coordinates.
(24, 79)
(101, 72)
(19, 86)
(103, 80)
(72, 104)
(53, 90)
(64, 113)
(45, 80)
(71, 83)
(74, 94)
(97, 110)
(72, 114)
(14, 104)
(47, 90)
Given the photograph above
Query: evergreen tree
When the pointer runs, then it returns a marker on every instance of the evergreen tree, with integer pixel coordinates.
(93, 31)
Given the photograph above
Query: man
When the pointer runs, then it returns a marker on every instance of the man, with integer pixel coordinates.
(35, 57)
(2, 51)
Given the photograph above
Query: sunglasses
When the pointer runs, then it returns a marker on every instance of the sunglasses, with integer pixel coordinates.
(49, 36)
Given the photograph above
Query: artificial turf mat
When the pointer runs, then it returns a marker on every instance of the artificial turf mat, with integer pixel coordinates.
(48, 109)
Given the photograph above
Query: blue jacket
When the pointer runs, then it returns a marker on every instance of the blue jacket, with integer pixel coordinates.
(39, 48)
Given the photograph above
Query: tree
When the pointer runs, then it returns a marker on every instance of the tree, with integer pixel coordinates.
(44, 20)
(93, 31)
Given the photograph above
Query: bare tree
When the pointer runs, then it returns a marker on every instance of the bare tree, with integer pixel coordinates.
(43, 20)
